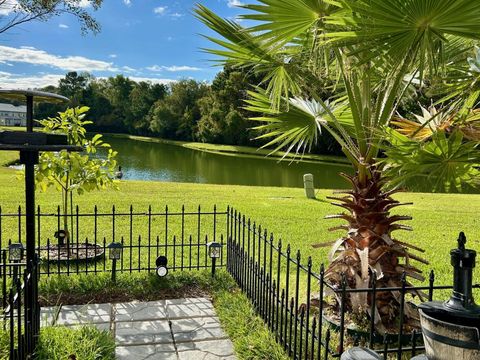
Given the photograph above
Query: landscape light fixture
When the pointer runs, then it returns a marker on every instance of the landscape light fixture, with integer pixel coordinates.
(114, 254)
(214, 252)
(115, 251)
(161, 263)
(15, 252)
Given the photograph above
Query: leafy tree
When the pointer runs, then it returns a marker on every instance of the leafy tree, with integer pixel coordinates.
(117, 90)
(100, 107)
(142, 97)
(72, 86)
(176, 116)
(71, 172)
(377, 52)
(19, 12)
(222, 118)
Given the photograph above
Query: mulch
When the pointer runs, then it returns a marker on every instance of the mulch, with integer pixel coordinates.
(119, 295)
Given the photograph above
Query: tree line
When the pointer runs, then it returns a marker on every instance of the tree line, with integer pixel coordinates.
(186, 110)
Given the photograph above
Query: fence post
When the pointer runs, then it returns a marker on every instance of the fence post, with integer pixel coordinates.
(307, 315)
(373, 282)
(342, 313)
(402, 311)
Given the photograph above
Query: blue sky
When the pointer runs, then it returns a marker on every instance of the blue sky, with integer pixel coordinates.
(144, 39)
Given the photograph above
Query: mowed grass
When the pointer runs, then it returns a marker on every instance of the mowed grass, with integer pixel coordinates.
(300, 222)
(8, 157)
(437, 218)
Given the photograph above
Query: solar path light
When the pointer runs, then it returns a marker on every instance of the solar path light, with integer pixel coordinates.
(15, 255)
(15, 252)
(161, 263)
(115, 253)
(214, 252)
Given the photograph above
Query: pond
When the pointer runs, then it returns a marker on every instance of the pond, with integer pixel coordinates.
(142, 160)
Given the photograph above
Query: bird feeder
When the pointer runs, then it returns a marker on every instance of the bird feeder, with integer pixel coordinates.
(30, 144)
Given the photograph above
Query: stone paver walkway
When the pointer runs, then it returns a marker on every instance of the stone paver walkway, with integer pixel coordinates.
(178, 329)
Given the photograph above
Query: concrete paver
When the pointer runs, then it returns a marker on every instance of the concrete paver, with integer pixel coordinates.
(205, 328)
(210, 349)
(187, 308)
(79, 314)
(143, 332)
(137, 311)
(143, 352)
(180, 329)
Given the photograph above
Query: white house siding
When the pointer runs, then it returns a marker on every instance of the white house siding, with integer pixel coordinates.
(11, 115)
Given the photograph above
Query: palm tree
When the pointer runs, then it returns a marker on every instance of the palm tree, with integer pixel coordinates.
(371, 55)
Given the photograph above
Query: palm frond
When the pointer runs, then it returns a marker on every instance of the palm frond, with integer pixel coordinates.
(297, 128)
(397, 29)
(282, 22)
(444, 164)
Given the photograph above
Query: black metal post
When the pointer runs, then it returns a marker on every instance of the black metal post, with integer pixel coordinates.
(114, 270)
(214, 265)
(29, 113)
(29, 159)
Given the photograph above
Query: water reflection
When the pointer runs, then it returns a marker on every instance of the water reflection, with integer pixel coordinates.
(162, 162)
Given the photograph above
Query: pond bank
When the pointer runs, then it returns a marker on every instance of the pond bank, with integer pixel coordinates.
(243, 151)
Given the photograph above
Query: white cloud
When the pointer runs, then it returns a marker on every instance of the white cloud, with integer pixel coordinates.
(14, 81)
(234, 3)
(22, 81)
(152, 80)
(63, 26)
(127, 2)
(84, 3)
(128, 69)
(7, 7)
(173, 68)
(113, 56)
(33, 56)
(160, 10)
(176, 15)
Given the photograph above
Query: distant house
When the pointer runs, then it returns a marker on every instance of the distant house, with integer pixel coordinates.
(11, 115)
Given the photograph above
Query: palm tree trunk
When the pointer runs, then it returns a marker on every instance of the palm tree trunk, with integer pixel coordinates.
(370, 248)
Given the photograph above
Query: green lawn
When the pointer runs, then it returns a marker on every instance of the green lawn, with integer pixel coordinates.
(286, 212)
(8, 157)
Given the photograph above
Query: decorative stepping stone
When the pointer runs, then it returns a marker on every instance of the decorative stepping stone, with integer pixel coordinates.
(143, 332)
(84, 314)
(206, 328)
(187, 308)
(139, 311)
(144, 352)
(206, 350)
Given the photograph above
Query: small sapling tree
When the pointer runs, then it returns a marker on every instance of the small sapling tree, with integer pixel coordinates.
(71, 172)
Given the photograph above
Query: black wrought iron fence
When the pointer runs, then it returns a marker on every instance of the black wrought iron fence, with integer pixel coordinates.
(181, 236)
(21, 315)
(287, 290)
(289, 294)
